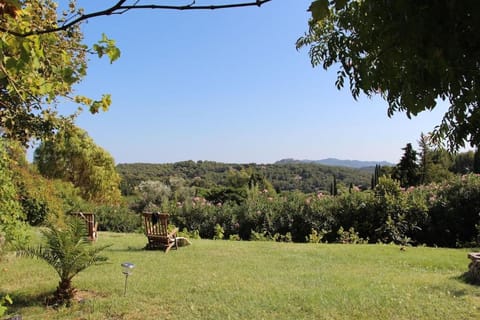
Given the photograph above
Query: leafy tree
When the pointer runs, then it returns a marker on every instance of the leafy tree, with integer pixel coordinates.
(226, 194)
(11, 215)
(406, 170)
(442, 161)
(39, 197)
(411, 53)
(153, 195)
(435, 163)
(463, 162)
(73, 156)
(38, 71)
(306, 177)
(238, 179)
(45, 199)
(425, 158)
(67, 250)
(180, 191)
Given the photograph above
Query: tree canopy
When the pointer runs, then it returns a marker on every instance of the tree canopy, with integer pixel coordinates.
(406, 171)
(305, 177)
(73, 156)
(11, 215)
(411, 53)
(39, 71)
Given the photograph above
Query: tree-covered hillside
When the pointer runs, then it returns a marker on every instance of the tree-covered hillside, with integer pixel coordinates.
(340, 163)
(305, 177)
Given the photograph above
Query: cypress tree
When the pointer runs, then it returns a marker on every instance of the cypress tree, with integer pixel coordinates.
(335, 191)
(375, 176)
(406, 170)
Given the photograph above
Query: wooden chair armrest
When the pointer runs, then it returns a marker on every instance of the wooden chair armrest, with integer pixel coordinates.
(173, 232)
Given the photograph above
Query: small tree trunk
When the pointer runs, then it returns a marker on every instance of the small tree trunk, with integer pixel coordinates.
(65, 292)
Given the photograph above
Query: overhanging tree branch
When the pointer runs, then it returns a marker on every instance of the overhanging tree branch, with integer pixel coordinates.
(120, 7)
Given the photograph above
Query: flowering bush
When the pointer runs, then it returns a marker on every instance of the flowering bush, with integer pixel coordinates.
(455, 212)
(437, 214)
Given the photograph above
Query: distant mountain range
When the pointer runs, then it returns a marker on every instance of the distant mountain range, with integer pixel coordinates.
(339, 163)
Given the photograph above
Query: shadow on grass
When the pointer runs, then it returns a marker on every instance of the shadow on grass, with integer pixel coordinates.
(128, 249)
(468, 278)
(22, 300)
(83, 303)
(457, 293)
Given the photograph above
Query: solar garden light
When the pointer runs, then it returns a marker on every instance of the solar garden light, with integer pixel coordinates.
(127, 269)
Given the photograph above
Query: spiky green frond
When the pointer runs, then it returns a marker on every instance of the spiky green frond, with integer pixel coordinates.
(66, 249)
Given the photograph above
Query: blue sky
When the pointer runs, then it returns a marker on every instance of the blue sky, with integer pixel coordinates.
(229, 86)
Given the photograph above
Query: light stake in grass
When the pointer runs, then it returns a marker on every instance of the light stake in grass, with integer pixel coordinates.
(127, 270)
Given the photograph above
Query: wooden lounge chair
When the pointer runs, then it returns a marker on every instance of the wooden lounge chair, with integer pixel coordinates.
(156, 225)
(90, 223)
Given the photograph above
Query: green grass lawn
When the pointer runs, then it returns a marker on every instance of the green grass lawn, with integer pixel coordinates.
(253, 280)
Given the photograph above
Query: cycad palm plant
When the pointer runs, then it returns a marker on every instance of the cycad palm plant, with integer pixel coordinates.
(69, 252)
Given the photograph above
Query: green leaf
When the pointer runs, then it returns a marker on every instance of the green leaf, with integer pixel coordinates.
(3, 309)
(83, 100)
(319, 9)
(102, 104)
(113, 52)
(107, 46)
(98, 49)
(8, 299)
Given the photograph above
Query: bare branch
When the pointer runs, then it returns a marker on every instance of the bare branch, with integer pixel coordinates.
(120, 8)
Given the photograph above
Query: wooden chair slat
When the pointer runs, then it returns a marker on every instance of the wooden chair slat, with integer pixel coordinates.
(156, 230)
(92, 226)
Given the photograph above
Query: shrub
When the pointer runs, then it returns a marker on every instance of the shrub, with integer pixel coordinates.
(404, 214)
(455, 212)
(259, 236)
(117, 219)
(292, 216)
(197, 215)
(189, 234)
(283, 238)
(234, 237)
(444, 215)
(43, 198)
(37, 196)
(355, 210)
(349, 236)
(219, 232)
(315, 236)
